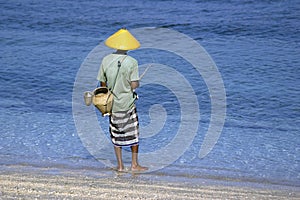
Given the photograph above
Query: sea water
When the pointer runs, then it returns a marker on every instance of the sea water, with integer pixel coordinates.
(255, 45)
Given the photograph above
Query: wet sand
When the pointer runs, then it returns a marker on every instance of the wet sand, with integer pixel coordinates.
(22, 185)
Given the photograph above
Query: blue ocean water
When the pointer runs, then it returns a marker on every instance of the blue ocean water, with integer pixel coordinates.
(255, 45)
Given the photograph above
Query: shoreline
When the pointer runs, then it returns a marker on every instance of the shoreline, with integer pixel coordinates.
(37, 185)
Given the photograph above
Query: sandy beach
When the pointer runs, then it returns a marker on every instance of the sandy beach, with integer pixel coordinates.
(22, 185)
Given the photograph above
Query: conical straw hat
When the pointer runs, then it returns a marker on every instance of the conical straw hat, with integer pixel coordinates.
(122, 40)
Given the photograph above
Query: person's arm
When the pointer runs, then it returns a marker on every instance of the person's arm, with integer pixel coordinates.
(101, 77)
(103, 84)
(134, 84)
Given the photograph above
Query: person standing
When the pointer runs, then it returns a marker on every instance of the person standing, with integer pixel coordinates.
(119, 72)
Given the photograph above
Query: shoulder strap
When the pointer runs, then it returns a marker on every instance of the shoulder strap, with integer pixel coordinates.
(119, 65)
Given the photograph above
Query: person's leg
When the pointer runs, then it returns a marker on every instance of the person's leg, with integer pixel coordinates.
(134, 163)
(118, 151)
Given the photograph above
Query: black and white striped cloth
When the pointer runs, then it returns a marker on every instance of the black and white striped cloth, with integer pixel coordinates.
(124, 128)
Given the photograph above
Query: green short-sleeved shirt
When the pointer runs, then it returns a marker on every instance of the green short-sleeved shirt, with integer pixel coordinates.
(123, 99)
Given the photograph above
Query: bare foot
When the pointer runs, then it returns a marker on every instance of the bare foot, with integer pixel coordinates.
(120, 169)
(138, 168)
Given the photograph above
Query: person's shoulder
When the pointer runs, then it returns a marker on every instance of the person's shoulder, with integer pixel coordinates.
(131, 59)
(108, 56)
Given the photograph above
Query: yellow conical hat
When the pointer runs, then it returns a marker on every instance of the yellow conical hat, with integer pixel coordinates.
(122, 40)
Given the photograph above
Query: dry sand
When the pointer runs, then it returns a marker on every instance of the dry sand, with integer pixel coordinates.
(21, 185)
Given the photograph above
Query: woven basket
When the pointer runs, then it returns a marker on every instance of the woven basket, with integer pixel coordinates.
(103, 100)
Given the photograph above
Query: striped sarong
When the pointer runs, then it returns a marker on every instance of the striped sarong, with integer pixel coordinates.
(124, 128)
